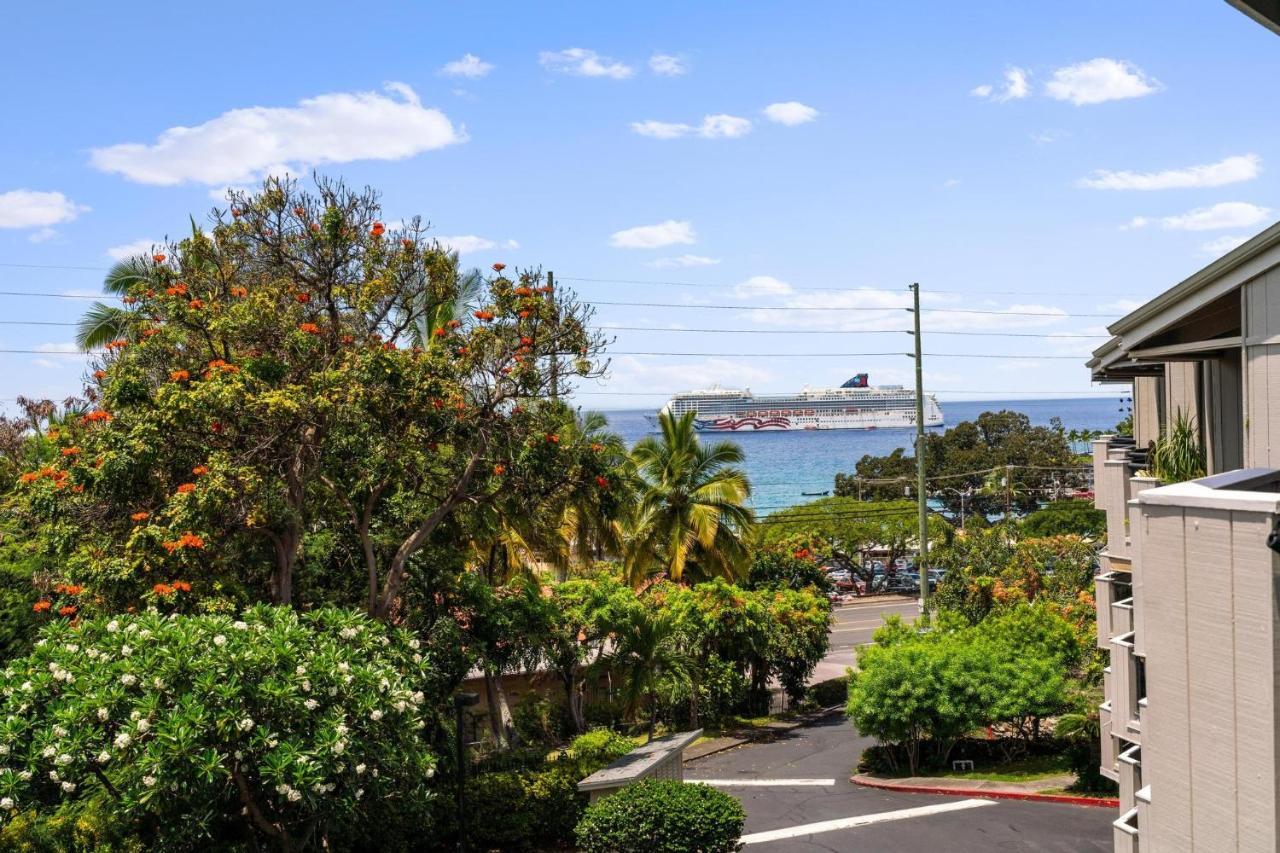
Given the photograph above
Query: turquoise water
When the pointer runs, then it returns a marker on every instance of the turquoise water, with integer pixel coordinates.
(784, 464)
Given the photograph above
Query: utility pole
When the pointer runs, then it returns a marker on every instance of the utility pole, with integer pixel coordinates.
(1008, 490)
(922, 563)
(555, 362)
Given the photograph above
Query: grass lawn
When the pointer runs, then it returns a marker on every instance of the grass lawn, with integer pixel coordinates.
(1027, 769)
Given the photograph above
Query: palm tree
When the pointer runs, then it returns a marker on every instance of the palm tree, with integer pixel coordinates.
(692, 511)
(104, 323)
(648, 653)
(452, 296)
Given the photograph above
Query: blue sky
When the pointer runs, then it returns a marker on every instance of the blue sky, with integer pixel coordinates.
(1009, 156)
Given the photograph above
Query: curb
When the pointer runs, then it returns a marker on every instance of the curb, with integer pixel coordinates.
(756, 734)
(987, 793)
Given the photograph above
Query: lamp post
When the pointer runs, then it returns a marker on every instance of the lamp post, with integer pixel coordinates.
(964, 499)
(460, 702)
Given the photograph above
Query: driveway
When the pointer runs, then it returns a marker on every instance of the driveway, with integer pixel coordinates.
(852, 625)
(794, 785)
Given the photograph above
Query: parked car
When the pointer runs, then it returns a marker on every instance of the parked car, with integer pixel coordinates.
(902, 584)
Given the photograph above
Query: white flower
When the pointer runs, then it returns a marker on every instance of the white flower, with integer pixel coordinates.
(53, 775)
(157, 683)
(348, 633)
(26, 687)
(419, 697)
(294, 795)
(246, 724)
(272, 743)
(128, 679)
(4, 749)
(238, 754)
(135, 715)
(311, 704)
(103, 713)
(385, 685)
(49, 752)
(401, 705)
(104, 757)
(301, 670)
(341, 728)
(306, 686)
(375, 714)
(122, 740)
(318, 787)
(359, 793)
(25, 775)
(144, 634)
(417, 658)
(240, 626)
(359, 769)
(71, 647)
(219, 640)
(339, 747)
(6, 803)
(126, 650)
(431, 771)
(144, 725)
(60, 731)
(113, 626)
(414, 644)
(62, 760)
(68, 786)
(374, 772)
(149, 781)
(282, 788)
(343, 666)
(384, 641)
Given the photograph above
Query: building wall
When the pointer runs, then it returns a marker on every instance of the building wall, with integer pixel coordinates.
(1146, 410)
(1260, 302)
(1182, 390)
(1223, 412)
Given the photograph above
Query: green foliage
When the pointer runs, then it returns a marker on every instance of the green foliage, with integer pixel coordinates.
(540, 720)
(313, 723)
(692, 513)
(600, 746)
(963, 454)
(833, 691)
(793, 568)
(1177, 455)
(662, 816)
(922, 690)
(88, 824)
(1066, 518)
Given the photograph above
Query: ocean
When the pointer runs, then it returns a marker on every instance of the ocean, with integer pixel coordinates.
(782, 465)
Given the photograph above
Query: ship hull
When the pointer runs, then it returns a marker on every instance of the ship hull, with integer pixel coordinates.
(879, 420)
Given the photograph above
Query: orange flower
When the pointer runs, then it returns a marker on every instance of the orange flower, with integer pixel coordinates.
(29, 477)
(190, 540)
(239, 291)
(162, 589)
(195, 304)
(147, 333)
(129, 300)
(182, 586)
(303, 298)
(69, 610)
(498, 470)
(524, 314)
(546, 288)
(178, 289)
(461, 350)
(441, 332)
(179, 375)
(219, 364)
(453, 324)
(70, 451)
(389, 346)
(347, 339)
(158, 258)
(41, 606)
(140, 516)
(117, 344)
(98, 415)
(99, 375)
(300, 211)
(200, 470)
(78, 489)
(483, 316)
(499, 267)
(53, 434)
(186, 488)
(235, 212)
(315, 226)
(309, 328)
(378, 229)
(596, 448)
(68, 589)
(151, 293)
(602, 482)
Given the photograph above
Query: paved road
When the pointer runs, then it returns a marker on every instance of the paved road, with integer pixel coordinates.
(852, 626)
(828, 751)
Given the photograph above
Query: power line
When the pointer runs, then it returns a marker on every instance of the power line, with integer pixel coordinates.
(666, 394)
(839, 355)
(693, 306)
(56, 295)
(846, 332)
(846, 289)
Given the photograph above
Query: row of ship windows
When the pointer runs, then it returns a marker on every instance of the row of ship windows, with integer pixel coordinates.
(784, 413)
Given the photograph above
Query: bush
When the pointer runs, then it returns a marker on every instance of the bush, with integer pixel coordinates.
(600, 747)
(833, 691)
(311, 721)
(75, 826)
(662, 816)
(538, 719)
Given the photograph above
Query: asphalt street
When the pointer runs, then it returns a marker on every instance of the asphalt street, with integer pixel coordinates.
(852, 626)
(819, 760)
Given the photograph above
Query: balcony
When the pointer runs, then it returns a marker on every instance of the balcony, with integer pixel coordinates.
(1124, 833)
(1107, 766)
(1130, 777)
(1122, 617)
(1125, 719)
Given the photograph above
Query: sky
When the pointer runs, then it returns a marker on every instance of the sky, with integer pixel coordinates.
(795, 166)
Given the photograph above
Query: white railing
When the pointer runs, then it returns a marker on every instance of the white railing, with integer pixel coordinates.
(1124, 833)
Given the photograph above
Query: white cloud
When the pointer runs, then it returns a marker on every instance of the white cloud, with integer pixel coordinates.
(465, 244)
(132, 250)
(790, 113)
(582, 62)
(243, 144)
(1120, 306)
(1226, 214)
(667, 233)
(1136, 222)
(951, 182)
(1016, 87)
(58, 347)
(42, 235)
(1099, 80)
(684, 261)
(469, 66)
(1232, 170)
(718, 126)
(667, 65)
(1222, 245)
(651, 376)
(873, 309)
(762, 285)
(35, 209)
(47, 364)
(1046, 137)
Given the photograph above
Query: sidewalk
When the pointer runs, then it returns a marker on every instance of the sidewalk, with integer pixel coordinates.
(1035, 790)
(733, 739)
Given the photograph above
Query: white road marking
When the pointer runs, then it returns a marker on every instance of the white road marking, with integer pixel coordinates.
(763, 783)
(861, 820)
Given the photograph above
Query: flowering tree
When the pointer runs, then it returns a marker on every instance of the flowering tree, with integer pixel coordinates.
(266, 384)
(282, 728)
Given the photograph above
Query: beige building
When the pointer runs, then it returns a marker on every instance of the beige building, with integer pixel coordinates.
(1189, 592)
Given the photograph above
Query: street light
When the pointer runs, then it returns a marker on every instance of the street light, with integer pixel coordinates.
(460, 702)
(964, 498)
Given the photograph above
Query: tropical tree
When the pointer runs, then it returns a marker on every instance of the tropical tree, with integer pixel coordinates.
(104, 323)
(649, 653)
(692, 512)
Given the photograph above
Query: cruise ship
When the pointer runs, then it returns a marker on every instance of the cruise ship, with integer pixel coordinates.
(854, 405)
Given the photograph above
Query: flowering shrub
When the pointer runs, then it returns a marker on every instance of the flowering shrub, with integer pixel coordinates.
(282, 727)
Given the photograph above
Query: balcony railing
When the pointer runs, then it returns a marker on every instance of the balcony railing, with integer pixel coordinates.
(1125, 833)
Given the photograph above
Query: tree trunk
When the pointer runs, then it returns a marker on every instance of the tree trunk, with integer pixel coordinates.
(495, 719)
(573, 697)
(504, 713)
(653, 714)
